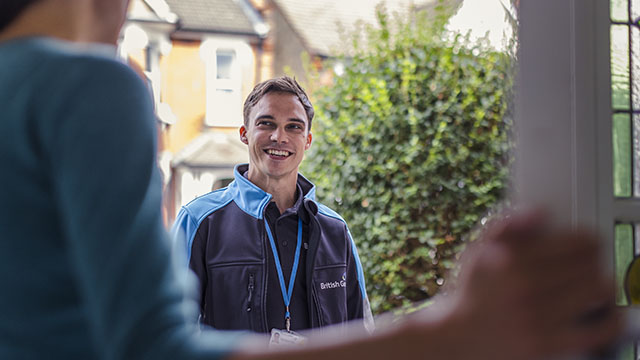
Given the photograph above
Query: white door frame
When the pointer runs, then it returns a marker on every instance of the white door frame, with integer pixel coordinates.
(563, 112)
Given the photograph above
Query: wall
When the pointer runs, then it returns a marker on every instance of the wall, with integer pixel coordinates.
(184, 89)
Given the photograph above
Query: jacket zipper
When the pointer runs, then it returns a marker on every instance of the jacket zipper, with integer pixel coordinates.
(265, 278)
(250, 288)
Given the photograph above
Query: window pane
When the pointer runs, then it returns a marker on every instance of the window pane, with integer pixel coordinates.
(619, 10)
(635, 94)
(224, 62)
(635, 66)
(635, 10)
(635, 157)
(621, 155)
(637, 238)
(620, 66)
(624, 252)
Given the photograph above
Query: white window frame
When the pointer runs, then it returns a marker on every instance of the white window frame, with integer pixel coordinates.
(563, 109)
(564, 118)
(223, 113)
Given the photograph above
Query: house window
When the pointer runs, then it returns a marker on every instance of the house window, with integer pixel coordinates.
(224, 63)
(224, 83)
(625, 97)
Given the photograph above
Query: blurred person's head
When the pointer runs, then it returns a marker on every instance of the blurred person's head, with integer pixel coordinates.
(277, 124)
(74, 20)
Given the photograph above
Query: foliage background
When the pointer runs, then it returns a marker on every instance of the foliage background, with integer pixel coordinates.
(411, 148)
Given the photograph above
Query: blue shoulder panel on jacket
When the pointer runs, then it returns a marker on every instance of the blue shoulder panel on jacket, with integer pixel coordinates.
(250, 198)
(191, 215)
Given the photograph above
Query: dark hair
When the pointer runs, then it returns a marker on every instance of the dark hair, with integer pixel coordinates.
(11, 9)
(280, 84)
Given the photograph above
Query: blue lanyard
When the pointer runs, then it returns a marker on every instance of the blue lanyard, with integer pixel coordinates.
(286, 295)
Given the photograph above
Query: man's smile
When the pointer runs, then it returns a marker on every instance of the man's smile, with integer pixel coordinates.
(281, 154)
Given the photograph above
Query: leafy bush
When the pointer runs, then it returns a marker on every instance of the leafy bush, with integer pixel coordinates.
(410, 147)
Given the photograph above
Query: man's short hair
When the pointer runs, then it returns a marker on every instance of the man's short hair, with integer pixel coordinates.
(279, 84)
(11, 9)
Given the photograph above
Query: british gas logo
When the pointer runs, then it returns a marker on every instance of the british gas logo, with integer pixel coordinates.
(335, 284)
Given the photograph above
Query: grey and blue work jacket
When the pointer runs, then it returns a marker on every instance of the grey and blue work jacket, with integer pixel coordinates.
(224, 237)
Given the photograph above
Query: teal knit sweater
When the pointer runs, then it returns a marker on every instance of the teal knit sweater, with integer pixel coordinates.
(85, 266)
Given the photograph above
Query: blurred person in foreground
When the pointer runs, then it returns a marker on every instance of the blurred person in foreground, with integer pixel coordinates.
(85, 267)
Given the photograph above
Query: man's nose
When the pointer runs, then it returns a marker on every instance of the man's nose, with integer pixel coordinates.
(279, 135)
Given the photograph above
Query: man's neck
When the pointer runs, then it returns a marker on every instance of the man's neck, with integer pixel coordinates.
(283, 189)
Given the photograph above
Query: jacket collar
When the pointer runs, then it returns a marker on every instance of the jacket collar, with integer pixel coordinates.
(253, 200)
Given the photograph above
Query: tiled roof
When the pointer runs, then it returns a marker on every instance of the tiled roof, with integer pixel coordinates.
(322, 23)
(225, 16)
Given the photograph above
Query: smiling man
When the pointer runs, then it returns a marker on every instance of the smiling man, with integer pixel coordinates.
(268, 257)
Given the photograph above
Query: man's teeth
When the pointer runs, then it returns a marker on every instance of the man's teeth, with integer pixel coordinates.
(278, 152)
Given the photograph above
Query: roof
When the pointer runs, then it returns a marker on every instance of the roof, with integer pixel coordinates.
(212, 150)
(217, 16)
(322, 24)
(156, 11)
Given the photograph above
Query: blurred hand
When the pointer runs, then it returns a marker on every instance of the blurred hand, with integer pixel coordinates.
(527, 292)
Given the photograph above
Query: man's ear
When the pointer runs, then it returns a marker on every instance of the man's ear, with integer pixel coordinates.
(243, 135)
(309, 140)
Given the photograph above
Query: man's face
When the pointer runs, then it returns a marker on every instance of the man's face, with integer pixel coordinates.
(277, 135)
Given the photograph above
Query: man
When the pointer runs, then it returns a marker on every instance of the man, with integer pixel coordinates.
(85, 269)
(266, 254)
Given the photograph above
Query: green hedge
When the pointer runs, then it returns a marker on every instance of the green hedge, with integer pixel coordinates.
(410, 147)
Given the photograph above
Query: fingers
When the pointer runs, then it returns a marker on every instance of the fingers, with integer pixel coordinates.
(543, 286)
(517, 227)
(589, 337)
(529, 232)
(563, 275)
(569, 308)
(558, 247)
(559, 273)
(561, 268)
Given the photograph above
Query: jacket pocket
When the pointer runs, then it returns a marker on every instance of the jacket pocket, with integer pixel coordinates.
(330, 284)
(233, 296)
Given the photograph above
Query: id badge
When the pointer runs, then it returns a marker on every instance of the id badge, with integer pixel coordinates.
(285, 338)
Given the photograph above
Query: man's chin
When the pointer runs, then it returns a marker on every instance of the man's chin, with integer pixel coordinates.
(279, 172)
